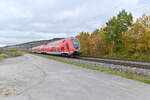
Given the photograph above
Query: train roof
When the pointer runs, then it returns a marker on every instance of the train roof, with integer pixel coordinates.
(58, 41)
(54, 43)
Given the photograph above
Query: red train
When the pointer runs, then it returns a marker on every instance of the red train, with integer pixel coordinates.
(64, 47)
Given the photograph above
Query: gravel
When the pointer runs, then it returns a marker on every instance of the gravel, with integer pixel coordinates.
(121, 68)
(123, 61)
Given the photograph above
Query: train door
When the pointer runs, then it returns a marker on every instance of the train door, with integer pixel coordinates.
(67, 47)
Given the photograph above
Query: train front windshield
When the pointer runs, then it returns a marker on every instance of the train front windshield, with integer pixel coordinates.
(75, 43)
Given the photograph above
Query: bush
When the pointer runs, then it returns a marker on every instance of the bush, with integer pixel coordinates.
(13, 53)
(1, 51)
(9, 53)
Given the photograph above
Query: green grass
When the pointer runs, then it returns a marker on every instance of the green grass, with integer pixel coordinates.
(110, 71)
(1, 58)
(10, 53)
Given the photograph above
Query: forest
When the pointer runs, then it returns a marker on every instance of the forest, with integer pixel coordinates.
(121, 37)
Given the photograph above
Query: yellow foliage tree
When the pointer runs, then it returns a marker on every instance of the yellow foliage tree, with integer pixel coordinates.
(84, 38)
(137, 38)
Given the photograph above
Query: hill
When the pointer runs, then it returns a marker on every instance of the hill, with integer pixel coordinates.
(26, 46)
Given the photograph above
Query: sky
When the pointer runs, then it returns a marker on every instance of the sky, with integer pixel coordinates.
(30, 20)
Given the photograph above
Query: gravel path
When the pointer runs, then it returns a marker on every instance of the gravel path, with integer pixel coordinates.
(35, 78)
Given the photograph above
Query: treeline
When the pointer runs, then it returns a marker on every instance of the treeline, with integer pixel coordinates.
(121, 37)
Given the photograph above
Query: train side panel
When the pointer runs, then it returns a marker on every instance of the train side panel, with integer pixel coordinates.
(68, 47)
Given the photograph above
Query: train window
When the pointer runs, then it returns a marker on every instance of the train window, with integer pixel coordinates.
(57, 50)
(75, 43)
(55, 43)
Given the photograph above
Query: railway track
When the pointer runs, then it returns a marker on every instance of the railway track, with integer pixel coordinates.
(132, 60)
(121, 62)
(129, 63)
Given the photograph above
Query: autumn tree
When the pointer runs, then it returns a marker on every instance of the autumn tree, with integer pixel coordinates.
(84, 38)
(119, 38)
(114, 28)
(137, 38)
(97, 43)
(144, 20)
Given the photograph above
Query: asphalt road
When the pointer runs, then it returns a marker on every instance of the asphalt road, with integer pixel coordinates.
(35, 78)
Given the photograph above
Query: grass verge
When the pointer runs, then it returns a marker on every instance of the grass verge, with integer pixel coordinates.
(1, 58)
(10, 53)
(109, 71)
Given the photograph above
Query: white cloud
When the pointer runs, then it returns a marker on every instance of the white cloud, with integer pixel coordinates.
(28, 20)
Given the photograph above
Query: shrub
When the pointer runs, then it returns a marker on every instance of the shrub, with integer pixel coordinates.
(1, 50)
